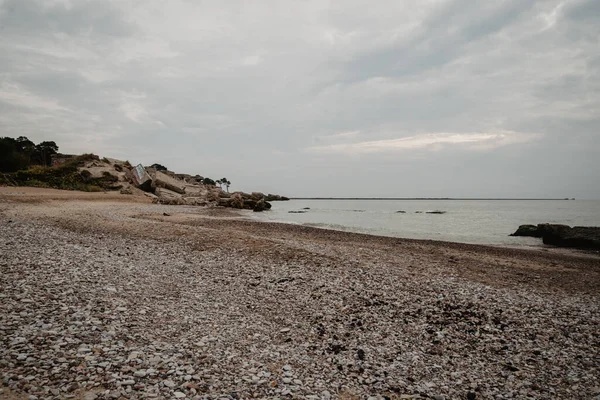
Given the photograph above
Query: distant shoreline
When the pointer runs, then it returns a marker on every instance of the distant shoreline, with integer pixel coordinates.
(418, 198)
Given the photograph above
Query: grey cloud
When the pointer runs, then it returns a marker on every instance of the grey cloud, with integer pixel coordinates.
(175, 86)
(441, 39)
(583, 10)
(79, 18)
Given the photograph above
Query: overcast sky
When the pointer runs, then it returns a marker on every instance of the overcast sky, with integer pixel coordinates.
(451, 98)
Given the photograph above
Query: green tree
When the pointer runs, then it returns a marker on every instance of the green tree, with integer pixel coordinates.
(25, 146)
(208, 181)
(44, 152)
(12, 158)
(224, 181)
(158, 167)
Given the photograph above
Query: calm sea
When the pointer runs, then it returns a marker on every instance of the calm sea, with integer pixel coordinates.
(466, 221)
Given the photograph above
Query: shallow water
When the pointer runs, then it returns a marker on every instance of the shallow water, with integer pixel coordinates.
(465, 221)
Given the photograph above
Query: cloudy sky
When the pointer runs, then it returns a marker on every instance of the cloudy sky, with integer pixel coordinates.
(457, 98)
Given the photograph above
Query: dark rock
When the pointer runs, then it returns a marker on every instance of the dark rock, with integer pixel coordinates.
(527, 230)
(306, 208)
(578, 237)
(471, 396)
(261, 205)
(336, 348)
(275, 197)
(436, 212)
(360, 354)
(250, 204)
(400, 212)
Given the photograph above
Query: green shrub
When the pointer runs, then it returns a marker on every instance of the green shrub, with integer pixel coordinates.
(67, 176)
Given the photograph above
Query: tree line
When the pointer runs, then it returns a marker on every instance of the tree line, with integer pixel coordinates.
(21, 153)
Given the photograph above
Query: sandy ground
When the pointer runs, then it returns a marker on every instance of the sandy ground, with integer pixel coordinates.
(109, 296)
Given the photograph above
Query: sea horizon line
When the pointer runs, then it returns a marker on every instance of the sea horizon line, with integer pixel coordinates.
(429, 198)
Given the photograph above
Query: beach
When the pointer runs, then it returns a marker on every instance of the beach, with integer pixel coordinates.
(108, 296)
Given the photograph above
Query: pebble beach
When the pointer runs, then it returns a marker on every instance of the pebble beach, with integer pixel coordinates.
(107, 296)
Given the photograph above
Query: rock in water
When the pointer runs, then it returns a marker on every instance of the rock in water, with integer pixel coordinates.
(578, 237)
(262, 205)
(527, 230)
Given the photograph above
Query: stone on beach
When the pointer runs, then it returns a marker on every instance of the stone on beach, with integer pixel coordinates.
(133, 304)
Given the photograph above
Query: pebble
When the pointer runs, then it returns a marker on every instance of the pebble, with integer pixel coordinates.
(363, 321)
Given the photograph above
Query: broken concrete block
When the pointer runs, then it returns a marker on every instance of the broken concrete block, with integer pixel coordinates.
(140, 175)
(194, 190)
(168, 182)
(166, 196)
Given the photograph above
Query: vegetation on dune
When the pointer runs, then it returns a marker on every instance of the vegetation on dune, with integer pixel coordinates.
(24, 163)
(208, 181)
(66, 176)
(158, 167)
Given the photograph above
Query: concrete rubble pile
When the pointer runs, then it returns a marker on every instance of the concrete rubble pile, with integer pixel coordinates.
(167, 187)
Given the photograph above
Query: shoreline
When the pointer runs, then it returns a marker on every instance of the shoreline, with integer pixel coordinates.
(132, 299)
(567, 252)
(539, 247)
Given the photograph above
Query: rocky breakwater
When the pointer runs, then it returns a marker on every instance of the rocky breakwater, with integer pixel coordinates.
(255, 201)
(579, 237)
